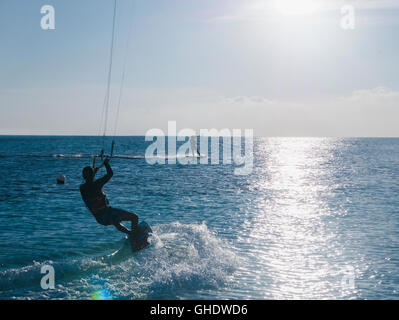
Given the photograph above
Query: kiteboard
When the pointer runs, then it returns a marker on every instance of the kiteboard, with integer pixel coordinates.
(140, 240)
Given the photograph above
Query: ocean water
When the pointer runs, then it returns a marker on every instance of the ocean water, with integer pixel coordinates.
(318, 218)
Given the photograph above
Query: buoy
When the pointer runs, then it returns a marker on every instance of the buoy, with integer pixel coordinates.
(61, 179)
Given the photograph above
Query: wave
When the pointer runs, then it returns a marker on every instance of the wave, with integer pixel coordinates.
(181, 259)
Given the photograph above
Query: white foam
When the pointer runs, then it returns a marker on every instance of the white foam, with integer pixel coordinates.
(181, 259)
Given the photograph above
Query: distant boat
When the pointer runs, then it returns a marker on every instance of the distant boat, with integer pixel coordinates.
(194, 147)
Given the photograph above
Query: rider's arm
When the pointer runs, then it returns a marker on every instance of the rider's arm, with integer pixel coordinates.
(109, 174)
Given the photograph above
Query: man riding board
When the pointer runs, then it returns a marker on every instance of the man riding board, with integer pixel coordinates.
(96, 201)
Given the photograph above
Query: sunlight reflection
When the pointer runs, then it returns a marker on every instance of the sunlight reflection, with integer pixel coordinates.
(291, 223)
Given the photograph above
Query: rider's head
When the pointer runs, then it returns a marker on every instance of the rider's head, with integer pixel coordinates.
(88, 173)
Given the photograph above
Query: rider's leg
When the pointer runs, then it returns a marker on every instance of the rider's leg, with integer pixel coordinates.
(124, 215)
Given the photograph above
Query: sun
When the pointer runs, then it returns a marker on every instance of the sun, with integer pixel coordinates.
(296, 7)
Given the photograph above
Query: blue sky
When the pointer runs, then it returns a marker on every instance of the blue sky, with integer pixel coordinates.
(285, 70)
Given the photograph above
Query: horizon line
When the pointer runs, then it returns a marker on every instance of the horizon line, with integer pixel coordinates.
(255, 136)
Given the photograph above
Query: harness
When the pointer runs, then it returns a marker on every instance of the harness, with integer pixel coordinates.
(96, 204)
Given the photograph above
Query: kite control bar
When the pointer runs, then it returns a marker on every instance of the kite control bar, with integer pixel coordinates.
(102, 156)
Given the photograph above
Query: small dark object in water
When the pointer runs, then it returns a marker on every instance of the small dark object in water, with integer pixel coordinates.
(61, 179)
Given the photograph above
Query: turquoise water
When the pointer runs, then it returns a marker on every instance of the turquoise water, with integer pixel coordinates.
(317, 218)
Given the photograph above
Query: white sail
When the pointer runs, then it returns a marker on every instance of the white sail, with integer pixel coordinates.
(194, 147)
